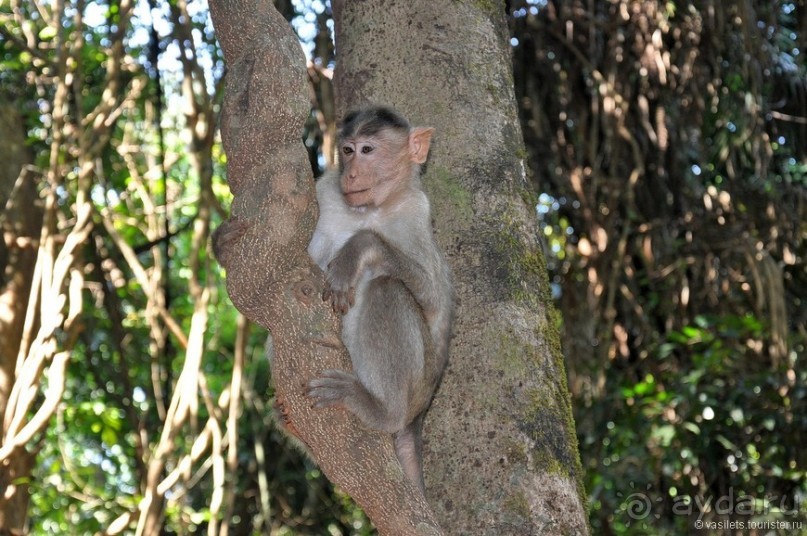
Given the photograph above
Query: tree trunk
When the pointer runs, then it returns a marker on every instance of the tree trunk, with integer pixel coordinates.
(501, 450)
(20, 220)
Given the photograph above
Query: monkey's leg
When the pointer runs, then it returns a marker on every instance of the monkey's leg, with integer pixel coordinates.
(384, 334)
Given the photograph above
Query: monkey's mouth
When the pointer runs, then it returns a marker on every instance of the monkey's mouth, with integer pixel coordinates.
(356, 195)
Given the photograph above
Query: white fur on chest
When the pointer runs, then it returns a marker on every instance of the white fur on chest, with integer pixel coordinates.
(338, 222)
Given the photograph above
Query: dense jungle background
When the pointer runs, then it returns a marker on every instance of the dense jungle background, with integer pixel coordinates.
(667, 146)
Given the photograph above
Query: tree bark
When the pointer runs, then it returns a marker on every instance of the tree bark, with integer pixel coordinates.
(501, 450)
(20, 221)
(270, 277)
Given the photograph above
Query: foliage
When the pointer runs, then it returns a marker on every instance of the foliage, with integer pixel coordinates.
(721, 427)
(669, 143)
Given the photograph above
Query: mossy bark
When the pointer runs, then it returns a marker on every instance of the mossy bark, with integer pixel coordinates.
(501, 450)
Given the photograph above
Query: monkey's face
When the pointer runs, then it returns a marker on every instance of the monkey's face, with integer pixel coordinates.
(374, 168)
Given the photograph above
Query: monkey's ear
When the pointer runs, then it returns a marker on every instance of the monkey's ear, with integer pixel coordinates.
(420, 139)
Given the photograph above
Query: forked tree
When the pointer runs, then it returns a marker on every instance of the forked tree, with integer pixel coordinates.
(501, 455)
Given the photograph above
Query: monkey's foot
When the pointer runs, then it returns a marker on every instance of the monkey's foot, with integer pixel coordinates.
(333, 388)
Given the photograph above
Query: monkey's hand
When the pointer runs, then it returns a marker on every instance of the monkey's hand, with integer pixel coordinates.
(333, 388)
(364, 251)
(341, 281)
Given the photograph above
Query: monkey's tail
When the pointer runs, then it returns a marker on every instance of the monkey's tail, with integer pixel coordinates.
(409, 449)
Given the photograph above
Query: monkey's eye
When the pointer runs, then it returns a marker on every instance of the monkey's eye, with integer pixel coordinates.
(367, 149)
(347, 150)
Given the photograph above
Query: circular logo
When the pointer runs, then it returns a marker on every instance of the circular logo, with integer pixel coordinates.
(638, 505)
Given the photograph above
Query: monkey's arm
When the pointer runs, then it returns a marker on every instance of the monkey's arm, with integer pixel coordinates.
(368, 251)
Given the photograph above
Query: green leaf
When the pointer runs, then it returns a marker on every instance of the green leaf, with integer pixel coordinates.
(109, 436)
(47, 33)
(692, 427)
(727, 444)
(664, 434)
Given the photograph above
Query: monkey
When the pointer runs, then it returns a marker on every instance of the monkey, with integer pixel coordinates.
(387, 277)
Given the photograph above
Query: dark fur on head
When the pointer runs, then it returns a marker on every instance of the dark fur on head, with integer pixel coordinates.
(372, 120)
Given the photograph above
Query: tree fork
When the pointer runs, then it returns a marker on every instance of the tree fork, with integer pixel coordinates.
(270, 277)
